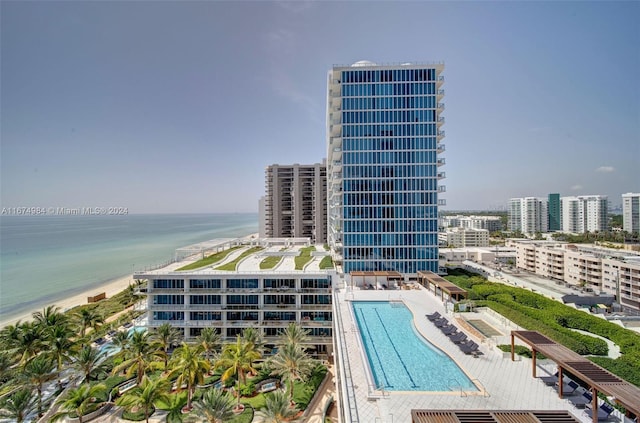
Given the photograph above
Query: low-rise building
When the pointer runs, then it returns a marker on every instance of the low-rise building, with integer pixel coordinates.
(464, 237)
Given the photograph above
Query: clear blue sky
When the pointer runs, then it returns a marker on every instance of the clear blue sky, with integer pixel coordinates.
(179, 106)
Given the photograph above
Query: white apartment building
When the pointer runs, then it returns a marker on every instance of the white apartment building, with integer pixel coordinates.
(528, 215)
(600, 270)
(490, 223)
(585, 213)
(464, 237)
(631, 212)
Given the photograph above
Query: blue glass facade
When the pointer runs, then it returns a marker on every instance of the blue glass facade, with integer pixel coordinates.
(383, 167)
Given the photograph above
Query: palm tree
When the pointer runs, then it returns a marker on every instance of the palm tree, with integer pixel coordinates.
(17, 406)
(120, 340)
(10, 336)
(129, 296)
(138, 356)
(50, 317)
(236, 359)
(88, 317)
(145, 395)
(277, 408)
(210, 340)
(293, 334)
(291, 363)
(29, 342)
(216, 406)
(254, 337)
(37, 372)
(88, 361)
(60, 346)
(174, 409)
(166, 336)
(190, 367)
(78, 400)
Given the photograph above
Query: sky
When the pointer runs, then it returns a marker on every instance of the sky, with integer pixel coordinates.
(178, 107)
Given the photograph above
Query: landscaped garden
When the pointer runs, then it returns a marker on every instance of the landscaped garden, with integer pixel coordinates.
(535, 312)
(149, 371)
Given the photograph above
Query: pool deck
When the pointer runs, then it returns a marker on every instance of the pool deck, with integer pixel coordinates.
(504, 384)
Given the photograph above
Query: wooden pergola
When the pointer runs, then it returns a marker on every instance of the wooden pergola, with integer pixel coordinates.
(427, 279)
(597, 378)
(387, 275)
(488, 416)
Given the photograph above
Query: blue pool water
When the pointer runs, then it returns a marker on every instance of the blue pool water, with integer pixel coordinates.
(400, 359)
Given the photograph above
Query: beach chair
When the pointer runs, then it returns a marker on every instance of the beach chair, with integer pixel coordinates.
(582, 399)
(569, 386)
(458, 337)
(603, 412)
(434, 316)
(550, 380)
(468, 348)
(448, 329)
(441, 322)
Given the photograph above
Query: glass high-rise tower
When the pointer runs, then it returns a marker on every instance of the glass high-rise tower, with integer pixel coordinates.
(383, 144)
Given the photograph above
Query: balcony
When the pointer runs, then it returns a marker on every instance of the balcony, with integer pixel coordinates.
(442, 188)
(441, 175)
(441, 162)
(442, 202)
(441, 148)
(440, 121)
(440, 93)
(440, 106)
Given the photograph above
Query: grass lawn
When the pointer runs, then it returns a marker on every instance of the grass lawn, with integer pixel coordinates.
(214, 258)
(326, 263)
(304, 257)
(270, 262)
(231, 266)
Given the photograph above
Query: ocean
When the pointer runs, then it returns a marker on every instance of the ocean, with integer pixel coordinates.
(47, 258)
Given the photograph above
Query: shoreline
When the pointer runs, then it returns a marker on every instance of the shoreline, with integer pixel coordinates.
(110, 288)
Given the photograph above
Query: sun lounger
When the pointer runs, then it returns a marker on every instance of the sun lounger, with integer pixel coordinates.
(581, 400)
(434, 316)
(448, 329)
(603, 412)
(458, 337)
(441, 322)
(569, 386)
(469, 348)
(550, 380)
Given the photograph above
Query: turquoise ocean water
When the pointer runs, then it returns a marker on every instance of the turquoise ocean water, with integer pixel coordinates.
(48, 258)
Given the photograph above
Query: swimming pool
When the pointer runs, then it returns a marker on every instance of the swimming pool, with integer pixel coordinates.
(400, 359)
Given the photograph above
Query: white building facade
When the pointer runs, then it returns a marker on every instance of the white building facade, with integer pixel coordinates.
(631, 212)
(464, 237)
(585, 213)
(528, 215)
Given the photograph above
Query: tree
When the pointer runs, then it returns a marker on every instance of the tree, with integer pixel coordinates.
(145, 395)
(78, 401)
(188, 364)
(209, 339)
(29, 342)
(174, 408)
(138, 356)
(60, 346)
(88, 361)
(37, 372)
(215, 406)
(254, 337)
(88, 317)
(50, 317)
(293, 334)
(277, 408)
(291, 363)
(236, 360)
(166, 336)
(17, 406)
(120, 340)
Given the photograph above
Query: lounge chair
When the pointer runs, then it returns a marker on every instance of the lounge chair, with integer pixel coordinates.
(604, 412)
(550, 380)
(469, 348)
(581, 400)
(458, 337)
(569, 386)
(448, 329)
(441, 322)
(434, 316)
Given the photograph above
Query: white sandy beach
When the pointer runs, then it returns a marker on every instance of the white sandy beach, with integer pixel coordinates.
(110, 288)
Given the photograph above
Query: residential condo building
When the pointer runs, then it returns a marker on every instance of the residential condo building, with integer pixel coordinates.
(585, 213)
(554, 213)
(490, 223)
(464, 237)
(384, 140)
(295, 204)
(528, 215)
(631, 212)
